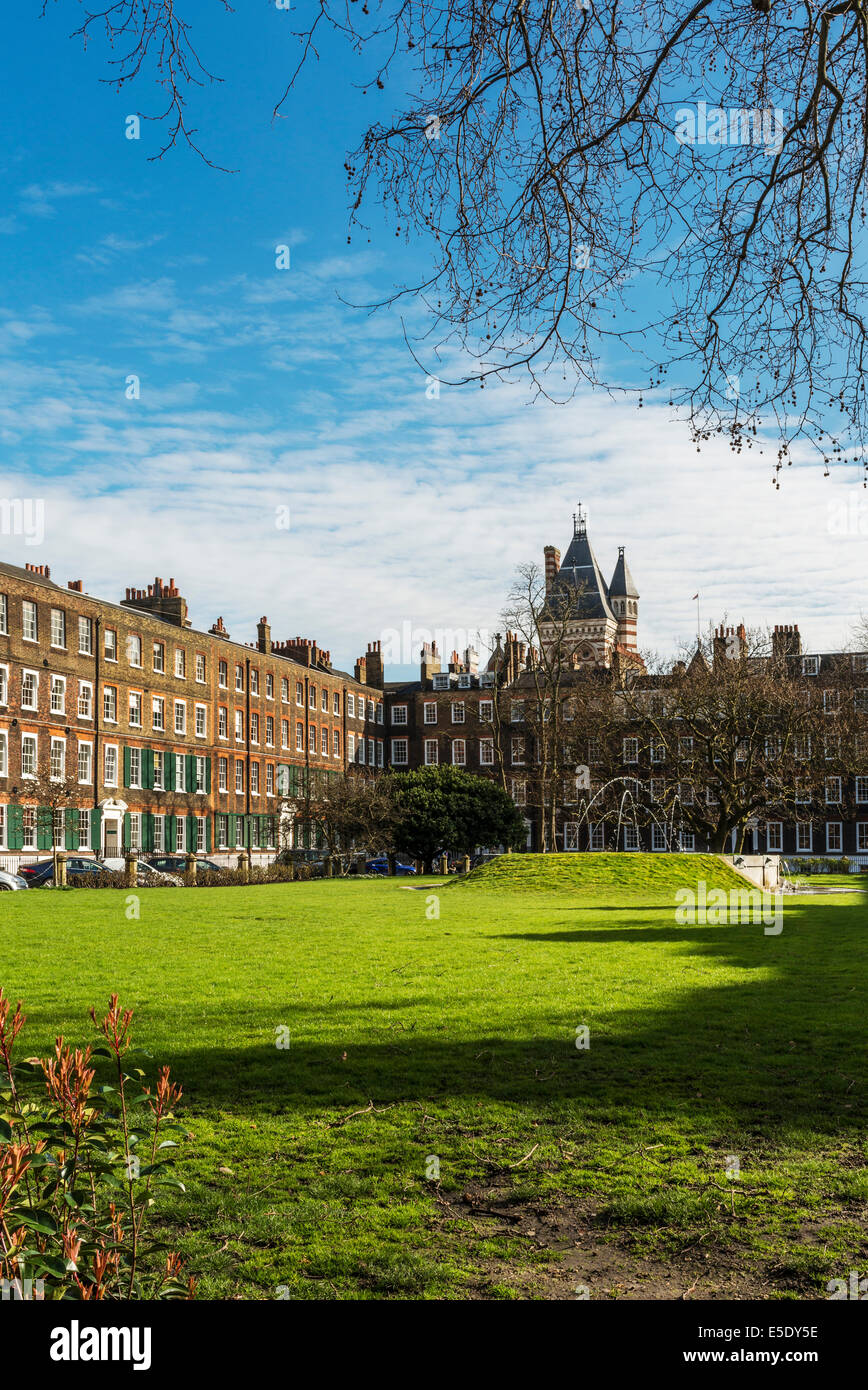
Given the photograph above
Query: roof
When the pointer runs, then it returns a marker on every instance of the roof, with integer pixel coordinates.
(623, 584)
(579, 576)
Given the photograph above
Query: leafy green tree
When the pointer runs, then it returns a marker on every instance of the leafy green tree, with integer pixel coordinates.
(444, 810)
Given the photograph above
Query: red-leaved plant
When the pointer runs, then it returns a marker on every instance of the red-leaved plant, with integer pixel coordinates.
(79, 1166)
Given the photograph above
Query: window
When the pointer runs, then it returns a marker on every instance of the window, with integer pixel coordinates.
(110, 644)
(222, 774)
(658, 837)
(135, 830)
(160, 833)
(324, 742)
(254, 681)
(351, 747)
(284, 690)
(299, 693)
(399, 752)
(180, 662)
(311, 697)
(631, 837)
(802, 747)
(831, 701)
(518, 791)
(631, 750)
(222, 722)
(571, 836)
(57, 760)
(351, 705)
(223, 675)
(222, 831)
(861, 790)
(29, 689)
(269, 779)
(833, 791)
(685, 748)
(517, 751)
(685, 793)
(134, 649)
(430, 751)
(180, 770)
(336, 704)
(136, 709)
(110, 765)
(200, 834)
(429, 712)
(254, 779)
(239, 677)
(336, 743)
(28, 827)
(179, 835)
(84, 829)
(158, 712)
(284, 733)
(810, 665)
(486, 711)
(254, 727)
(180, 717)
(833, 837)
(239, 775)
(29, 624)
(159, 767)
(159, 657)
(686, 841)
(200, 668)
(58, 695)
(4, 755)
(201, 774)
(371, 711)
(58, 627)
(85, 700)
(110, 704)
(804, 837)
(4, 614)
(299, 738)
(597, 837)
(135, 767)
(774, 837)
(457, 711)
(516, 712)
(311, 739)
(862, 836)
(459, 757)
(4, 685)
(486, 752)
(658, 751)
(325, 702)
(656, 788)
(201, 721)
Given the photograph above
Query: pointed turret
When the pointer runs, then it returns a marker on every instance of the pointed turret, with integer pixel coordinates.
(579, 576)
(624, 598)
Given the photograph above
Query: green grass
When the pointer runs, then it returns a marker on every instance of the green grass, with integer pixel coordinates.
(705, 1041)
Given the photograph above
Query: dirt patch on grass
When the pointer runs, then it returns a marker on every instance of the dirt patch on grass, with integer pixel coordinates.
(590, 1260)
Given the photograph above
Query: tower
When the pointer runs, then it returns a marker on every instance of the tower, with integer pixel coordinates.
(578, 601)
(624, 598)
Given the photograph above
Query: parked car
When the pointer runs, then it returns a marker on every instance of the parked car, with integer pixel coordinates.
(380, 865)
(176, 863)
(41, 873)
(10, 882)
(147, 874)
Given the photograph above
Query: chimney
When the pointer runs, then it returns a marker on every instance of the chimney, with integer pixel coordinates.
(374, 665)
(263, 635)
(163, 600)
(471, 661)
(361, 672)
(553, 564)
(75, 585)
(218, 629)
(455, 666)
(430, 662)
(786, 641)
(729, 643)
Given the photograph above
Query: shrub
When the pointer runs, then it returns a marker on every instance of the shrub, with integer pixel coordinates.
(75, 1194)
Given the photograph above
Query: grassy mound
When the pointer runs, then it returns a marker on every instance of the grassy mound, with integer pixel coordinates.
(592, 873)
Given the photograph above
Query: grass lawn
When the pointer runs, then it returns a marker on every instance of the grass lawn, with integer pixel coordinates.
(414, 1037)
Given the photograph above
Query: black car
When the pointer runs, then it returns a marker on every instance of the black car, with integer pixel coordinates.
(42, 872)
(176, 864)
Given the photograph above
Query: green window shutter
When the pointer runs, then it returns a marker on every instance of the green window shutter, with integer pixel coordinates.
(230, 831)
(147, 831)
(44, 826)
(191, 833)
(148, 768)
(169, 778)
(95, 830)
(191, 772)
(15, 826)
(208, 835)
(127, 837)
(207, 774)
(126, 767)
(71, 819)
(170, 833)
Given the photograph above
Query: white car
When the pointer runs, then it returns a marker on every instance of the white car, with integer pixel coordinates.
(10, 882)
(147, 874)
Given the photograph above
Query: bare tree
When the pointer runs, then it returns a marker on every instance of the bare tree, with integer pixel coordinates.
(51, 798)
(701, 168)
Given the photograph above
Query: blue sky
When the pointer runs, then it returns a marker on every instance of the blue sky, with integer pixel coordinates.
(261, 391)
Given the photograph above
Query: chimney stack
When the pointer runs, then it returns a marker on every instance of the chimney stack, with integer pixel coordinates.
(553, 564)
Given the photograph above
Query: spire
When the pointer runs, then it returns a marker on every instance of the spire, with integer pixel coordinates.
(580, 573)
(622, 585)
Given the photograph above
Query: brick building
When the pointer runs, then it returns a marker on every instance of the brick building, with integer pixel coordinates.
(177, 739)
